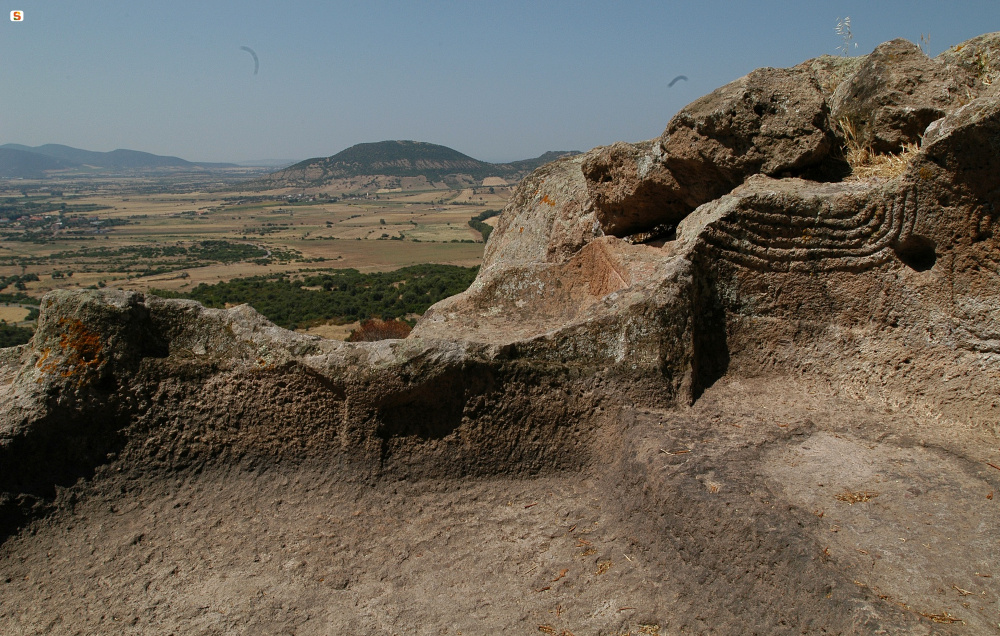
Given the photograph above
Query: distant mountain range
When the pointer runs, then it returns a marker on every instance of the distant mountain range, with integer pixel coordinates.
(389, 161)
(30, 162)
(401, 159)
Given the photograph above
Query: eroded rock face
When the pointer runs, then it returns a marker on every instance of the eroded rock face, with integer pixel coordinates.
(772, 121)
(548, 219)
(772, 253)
(896, 93)
(793, 345)
(978, 57)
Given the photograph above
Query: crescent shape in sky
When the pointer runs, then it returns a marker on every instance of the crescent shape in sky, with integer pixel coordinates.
(672, 82)
(256, 62)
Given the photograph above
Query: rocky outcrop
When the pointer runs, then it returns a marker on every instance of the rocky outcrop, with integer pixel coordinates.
(771, 252)
(714, 338)
(772, 121)
(978, 57)
(783, 122)
(896, 93)
(548, 219)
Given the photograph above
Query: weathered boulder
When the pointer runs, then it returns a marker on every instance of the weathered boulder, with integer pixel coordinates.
(978, 57)
(896, 93)
(772, 121)
(831, 70)
(548, 219)
(964, 146)
(631, 188)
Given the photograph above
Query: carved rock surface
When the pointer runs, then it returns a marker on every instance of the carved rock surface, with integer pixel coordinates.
(729, 429)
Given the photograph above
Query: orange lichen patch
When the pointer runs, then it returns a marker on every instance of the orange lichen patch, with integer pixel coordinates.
(45, 365)
(81, 349)
(43, 358)
(82, 346)
(546, 199)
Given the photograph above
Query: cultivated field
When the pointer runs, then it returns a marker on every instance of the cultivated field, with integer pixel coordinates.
(13, 314)
(176, 231)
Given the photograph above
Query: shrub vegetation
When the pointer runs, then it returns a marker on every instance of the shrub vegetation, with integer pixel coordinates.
(477, 224)
(11, 335)
(340, 296)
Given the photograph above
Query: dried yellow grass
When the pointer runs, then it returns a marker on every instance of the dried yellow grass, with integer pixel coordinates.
(942, 617)
(860, 496)
(13, 314)
(866, 164)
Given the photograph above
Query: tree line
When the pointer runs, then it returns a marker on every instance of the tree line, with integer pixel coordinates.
(477, 224)
(341, 296)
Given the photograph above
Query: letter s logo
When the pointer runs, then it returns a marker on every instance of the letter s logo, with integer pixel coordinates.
(16, 16)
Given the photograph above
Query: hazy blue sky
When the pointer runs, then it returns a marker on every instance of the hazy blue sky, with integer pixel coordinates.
(495, 80)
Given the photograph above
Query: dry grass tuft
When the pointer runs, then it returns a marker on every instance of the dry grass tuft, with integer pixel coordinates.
(859, 496)
(867, 164)
(548, 629)
(943, 617)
